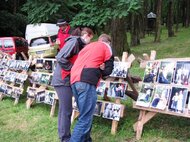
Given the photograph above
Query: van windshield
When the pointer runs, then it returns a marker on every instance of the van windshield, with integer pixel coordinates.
(39, 41)
(8, 43)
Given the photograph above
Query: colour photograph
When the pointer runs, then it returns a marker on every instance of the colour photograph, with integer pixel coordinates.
(101, 88)
(151, 71)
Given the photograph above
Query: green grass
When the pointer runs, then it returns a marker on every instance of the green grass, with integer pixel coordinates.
(17, 124)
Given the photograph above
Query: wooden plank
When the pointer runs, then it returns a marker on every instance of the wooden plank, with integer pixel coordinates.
(52, 112)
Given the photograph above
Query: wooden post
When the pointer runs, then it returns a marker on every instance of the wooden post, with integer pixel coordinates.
(16, 101)
(1, 96)
(75, 114)
(52, 112)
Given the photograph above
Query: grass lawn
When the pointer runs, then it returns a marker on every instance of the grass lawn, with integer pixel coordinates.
(17, 124)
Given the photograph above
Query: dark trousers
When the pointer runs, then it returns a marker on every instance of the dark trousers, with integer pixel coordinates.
(65, 110)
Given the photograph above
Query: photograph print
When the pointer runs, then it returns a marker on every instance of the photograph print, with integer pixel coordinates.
(98, 108)
(31, 92)
(120, 69)
(112, 111)
(161, 97)
(36, 77)
(151, 71)
(49, 97)
(40, 96)
(21, 78)
(166, 71)
(45, 78)
(145, 95)
(39, 63)
(101, 88)
(178, 99)
(182, 73)
(117, 90)
(48, 65)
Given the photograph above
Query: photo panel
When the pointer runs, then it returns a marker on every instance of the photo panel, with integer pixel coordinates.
(182, 73)
(12, 64)
(112, 111)
(36, 77)
(120, 69)
(117, 90)
(12, 76)
(101, 88)
(31, 92)
(98, 108)
(21, 78)
(151, 72)
(17, 92)
(166, 72)
(25, 65)
(39, 63)
(178, 99)
(40, 96)
(49, 97)
(145, 95)
(3, 87)
(161, 97)
(45, 78)
(9, 91)
(48, 65)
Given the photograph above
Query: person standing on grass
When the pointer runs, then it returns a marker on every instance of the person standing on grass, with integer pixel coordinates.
(63, 33)
(93, 62)
(61, 79)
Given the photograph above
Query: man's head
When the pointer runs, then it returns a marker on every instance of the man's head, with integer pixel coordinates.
(87, 34)
(105, 38)
(62, 24)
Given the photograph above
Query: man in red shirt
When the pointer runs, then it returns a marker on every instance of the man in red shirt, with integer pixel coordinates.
(93, 62)
(63, 33)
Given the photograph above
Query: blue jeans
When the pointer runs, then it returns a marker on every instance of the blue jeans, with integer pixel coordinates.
(85, 96)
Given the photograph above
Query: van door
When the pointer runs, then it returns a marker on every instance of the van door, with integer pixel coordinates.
(9, 46)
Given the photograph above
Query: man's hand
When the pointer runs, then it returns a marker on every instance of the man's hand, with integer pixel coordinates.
(102, 66)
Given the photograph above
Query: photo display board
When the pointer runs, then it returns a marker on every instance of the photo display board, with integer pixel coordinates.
(165, 86)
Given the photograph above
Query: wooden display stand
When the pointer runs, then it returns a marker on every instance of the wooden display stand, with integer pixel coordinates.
(31, 101)
(125, 58)
(147, 114)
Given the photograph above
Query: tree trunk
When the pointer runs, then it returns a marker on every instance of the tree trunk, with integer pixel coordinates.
(187, 17)
(170, 19)
(119, 36)
(158, 21)
(15, 6)
(135, 37)
(177, 15)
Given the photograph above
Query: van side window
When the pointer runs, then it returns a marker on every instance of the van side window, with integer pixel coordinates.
(53, 38)
(1, 44)
(39, 41)
(8, 43)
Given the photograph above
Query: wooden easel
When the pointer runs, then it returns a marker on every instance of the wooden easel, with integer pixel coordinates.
(147, 114)
(125, 58)
(30, 101)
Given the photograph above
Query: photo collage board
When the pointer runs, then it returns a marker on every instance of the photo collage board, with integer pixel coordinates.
(43, 73)
(165, 86)
(106, 110)
(41, 95)
(13, 74)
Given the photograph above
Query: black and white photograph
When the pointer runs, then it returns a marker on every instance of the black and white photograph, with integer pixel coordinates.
(21, 78)
(9, 91)
(17, 92)
(39, 63)
(178, 99)
(48, 65)
(161, 97)
(101, 88)
(45, 78)
(151, 71)
(112, 111)
(40, 96)
(31, 92)
(145, 95)
(120, 69)
(98, 108)
(166, 72)
(25, 65)
(182, 73)
(3, 87)
(12, 64)
(36, 77)
(117, 90)
(49, 97)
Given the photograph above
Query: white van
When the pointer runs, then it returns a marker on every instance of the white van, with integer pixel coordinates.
(41, 39)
